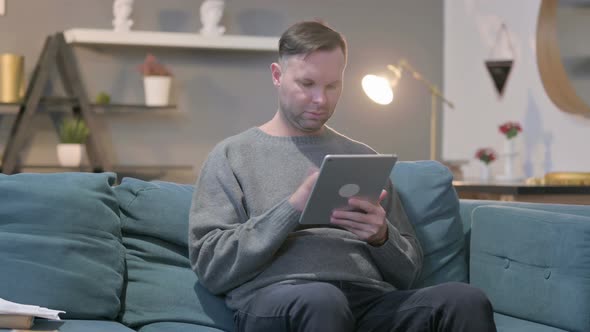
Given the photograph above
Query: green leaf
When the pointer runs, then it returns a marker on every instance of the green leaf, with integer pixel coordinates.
(73, 131)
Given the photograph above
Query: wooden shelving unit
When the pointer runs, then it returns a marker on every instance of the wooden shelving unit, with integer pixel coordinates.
(58, 53)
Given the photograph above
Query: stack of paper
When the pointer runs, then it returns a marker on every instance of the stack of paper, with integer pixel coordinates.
(16, 315)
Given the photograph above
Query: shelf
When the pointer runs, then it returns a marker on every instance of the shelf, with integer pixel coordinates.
(60, 104)
(128, 108)
(9, 108)
(170, 39)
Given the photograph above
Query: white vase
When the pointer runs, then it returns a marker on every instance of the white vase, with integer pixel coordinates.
(70, 155)
(509, 157)
(485, 174)
(157, 90)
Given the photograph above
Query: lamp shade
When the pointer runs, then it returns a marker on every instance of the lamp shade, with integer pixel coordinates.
(378, 88)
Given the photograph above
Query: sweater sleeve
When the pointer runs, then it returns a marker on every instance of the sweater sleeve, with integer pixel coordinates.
(226, 246)
(400, 258)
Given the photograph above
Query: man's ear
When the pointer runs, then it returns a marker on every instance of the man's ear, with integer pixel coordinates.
(275, 69)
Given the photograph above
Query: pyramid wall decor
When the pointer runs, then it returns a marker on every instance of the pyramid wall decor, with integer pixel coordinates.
(499, 71)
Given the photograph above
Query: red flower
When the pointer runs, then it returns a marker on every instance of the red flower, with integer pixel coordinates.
(510, 129)
(486, 155)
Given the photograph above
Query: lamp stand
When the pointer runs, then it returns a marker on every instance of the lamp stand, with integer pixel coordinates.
(433, 127)
(434, 93)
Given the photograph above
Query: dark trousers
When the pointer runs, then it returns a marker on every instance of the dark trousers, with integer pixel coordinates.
(341, 307)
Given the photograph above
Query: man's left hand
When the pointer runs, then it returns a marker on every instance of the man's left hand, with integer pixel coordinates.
(368, 222)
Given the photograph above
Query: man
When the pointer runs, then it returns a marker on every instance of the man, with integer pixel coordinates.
(246, 243)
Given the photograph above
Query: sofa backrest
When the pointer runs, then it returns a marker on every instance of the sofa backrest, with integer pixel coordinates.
(533, 264)
(431, 203)
(468, 205)
(60, 243)
(76, 231)
(161, 287)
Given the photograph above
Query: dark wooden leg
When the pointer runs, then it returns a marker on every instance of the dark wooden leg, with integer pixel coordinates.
(75, 88)
(20, 128)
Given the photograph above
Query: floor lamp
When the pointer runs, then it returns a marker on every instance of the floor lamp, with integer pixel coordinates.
(381, 90)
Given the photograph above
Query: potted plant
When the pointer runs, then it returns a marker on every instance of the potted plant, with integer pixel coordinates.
(103, 98)
(73, 133)
(156, 81)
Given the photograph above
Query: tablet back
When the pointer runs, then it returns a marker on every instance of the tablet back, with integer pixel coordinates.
(344, 176)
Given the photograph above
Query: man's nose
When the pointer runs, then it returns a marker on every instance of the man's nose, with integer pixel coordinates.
(319, 97)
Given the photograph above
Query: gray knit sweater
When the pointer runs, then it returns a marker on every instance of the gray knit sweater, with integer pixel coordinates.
(244, 234)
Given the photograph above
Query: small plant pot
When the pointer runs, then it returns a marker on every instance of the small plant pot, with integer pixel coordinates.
(157, 90)
(70, 155)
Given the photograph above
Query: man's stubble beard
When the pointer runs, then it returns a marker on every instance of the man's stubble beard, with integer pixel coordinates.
(296, 121)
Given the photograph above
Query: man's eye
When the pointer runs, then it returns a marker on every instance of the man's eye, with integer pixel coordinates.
(307, 84)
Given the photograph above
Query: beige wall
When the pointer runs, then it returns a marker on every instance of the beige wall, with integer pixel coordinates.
(222, 93)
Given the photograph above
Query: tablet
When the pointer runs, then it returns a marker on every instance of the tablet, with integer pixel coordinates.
(344, 176)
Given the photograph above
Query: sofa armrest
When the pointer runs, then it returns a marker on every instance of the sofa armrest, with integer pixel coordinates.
(533, 264)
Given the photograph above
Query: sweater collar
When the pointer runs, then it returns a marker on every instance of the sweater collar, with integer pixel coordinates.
(312, 139)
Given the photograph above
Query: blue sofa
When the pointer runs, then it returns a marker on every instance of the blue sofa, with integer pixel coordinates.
(114, 257)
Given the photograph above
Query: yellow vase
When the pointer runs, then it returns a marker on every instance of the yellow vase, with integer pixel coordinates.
(12, 67)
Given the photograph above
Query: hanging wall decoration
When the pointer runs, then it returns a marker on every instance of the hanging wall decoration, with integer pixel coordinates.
(499, 68)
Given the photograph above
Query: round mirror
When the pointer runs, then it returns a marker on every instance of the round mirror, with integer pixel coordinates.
(563, 53)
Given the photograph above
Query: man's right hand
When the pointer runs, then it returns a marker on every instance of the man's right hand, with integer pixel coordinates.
(300, 196)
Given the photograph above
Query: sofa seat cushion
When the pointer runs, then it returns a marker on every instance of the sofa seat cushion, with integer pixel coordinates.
(431, 203)
(76, 326)
(177, 327)
(60, 240)
(510, 324)
(161, 286)
(533, 265)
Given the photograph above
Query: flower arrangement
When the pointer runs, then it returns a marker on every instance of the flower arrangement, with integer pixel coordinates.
(151, 67)
(486, 155)
(510, 129)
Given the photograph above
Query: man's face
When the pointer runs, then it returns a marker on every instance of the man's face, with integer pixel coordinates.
(309, 87)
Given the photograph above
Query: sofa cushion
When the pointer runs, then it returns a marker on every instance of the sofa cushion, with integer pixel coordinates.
(60, 240)
(161, 286)
(432, 205)
(533, 265)
(75, 326)
(177, 327)
(510, 324)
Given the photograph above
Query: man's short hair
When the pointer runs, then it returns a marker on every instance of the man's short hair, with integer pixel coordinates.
(310, 36)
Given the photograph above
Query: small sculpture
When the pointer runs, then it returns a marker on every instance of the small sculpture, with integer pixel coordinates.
(211, 13)
(122, 10)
